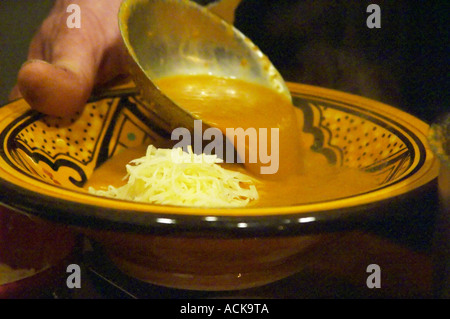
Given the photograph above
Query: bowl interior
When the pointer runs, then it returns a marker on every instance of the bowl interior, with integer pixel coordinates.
(49, 159)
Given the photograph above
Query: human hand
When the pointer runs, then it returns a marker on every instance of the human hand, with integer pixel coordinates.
(65, 64)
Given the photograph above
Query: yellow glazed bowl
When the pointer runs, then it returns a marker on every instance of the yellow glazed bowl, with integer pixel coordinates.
(44, 162)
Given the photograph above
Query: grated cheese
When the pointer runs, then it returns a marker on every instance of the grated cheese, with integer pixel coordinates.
(175, 177)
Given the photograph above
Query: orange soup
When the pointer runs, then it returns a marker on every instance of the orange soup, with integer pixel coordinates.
(302, 176)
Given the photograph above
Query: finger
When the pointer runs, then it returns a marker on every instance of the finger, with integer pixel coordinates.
(35, 51)
(62, 85)
(53, 89)
(14, 94)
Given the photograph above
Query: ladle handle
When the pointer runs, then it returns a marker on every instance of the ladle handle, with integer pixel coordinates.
(225, 9)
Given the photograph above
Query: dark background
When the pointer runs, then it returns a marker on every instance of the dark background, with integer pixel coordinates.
(19, 20)
(328, 43)
(319, 42)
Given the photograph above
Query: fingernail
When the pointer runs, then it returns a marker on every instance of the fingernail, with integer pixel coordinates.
(34, 61)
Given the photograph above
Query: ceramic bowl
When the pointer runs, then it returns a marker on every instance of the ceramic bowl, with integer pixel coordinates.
(44, 162)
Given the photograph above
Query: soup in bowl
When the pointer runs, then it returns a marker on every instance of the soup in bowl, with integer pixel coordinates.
(342, 159)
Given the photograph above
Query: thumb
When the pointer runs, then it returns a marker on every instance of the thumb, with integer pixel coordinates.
(15, 93)
(54, 89)
(63, 62)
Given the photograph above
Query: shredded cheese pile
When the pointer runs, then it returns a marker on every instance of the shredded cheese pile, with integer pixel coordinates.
(175, 177)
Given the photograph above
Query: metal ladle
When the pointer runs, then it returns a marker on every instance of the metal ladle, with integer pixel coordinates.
(179, 37)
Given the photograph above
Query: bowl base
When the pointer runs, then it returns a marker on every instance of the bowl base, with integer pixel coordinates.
(209, 282)
(208, 264)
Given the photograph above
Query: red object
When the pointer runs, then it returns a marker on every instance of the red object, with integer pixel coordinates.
(30, 243)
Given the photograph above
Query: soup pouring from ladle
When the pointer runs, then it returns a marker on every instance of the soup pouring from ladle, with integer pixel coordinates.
(178, 37)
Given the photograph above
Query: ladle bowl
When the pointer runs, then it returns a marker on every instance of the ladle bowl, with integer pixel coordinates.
(177, 37)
